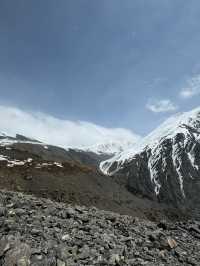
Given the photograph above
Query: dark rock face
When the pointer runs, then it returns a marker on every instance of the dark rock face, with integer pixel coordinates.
(167, 173)
(38, 232)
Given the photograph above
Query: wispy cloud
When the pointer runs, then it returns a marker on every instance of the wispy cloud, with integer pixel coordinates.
(64, 133)
(192, 88)
(161, 106)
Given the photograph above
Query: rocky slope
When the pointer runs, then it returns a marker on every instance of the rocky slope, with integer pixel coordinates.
(69, 176)
(38, 232)
(164, 166)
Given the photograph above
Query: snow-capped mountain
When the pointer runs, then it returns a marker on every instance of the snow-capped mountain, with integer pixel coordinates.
(165, 164)
(6, 139)
(111, 147)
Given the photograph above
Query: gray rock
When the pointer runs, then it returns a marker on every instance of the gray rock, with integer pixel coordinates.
(89, 237)
(19, 255)
(20, 212)
(36, 232)
(60, 263)
(2, 211)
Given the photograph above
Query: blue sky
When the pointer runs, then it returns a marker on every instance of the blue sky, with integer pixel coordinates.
(127, 64)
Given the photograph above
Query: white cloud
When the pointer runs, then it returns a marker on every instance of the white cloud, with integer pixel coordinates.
(192, 88)
(64, 133)
(161, 106)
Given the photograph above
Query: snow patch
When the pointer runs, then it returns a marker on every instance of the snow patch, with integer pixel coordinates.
(58, 164)
(191, 157)
(41, 165)
(177, 164)
(12, 163)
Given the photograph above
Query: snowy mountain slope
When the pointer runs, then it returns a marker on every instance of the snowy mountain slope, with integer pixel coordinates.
(165, 164)
(112, 147)
(187, 123)
(6, 140)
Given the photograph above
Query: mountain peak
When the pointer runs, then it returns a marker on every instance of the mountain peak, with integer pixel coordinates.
(186, 123)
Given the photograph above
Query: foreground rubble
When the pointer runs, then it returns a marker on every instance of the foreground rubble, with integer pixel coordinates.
(40, 232)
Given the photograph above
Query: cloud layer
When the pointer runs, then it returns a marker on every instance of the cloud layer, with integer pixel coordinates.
(192, 89)
(64, 133)
(161, 106)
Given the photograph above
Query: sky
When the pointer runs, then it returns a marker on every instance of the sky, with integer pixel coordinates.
(113, 64)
